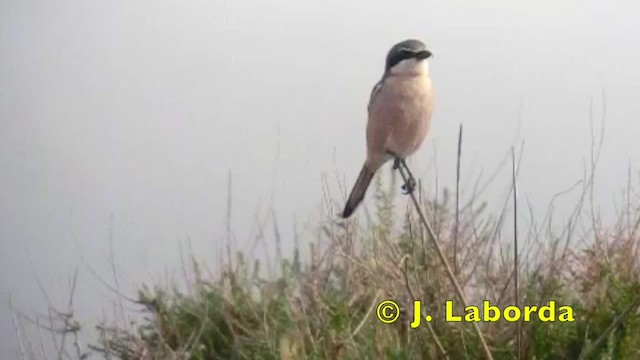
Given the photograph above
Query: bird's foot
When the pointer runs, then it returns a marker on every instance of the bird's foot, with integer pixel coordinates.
(409, 186)
(396, 164)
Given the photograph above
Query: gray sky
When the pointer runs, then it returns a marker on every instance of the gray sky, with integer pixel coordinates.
(140, 110)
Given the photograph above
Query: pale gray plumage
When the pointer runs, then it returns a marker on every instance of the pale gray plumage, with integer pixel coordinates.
(399, 110)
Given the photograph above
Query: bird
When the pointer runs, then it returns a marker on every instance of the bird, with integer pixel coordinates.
(399, 116)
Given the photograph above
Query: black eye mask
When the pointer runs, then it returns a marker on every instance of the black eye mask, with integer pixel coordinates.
(405, 54)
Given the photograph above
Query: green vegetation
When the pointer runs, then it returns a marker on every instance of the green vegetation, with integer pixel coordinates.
(325, 307)
(322, 302)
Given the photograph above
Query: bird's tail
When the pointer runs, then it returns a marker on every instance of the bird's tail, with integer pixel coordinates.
(358, 191)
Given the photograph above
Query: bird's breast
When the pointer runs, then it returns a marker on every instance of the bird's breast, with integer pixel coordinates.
(402, 113)
(404, 98)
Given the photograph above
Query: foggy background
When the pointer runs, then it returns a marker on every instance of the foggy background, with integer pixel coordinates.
(126, 118)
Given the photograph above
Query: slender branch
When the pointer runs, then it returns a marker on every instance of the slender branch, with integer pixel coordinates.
(515, 243)
(455, 233)
(444, 261)
(16, 326)
(366, 316)
(413, 296)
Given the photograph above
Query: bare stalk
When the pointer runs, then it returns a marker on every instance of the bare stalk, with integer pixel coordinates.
(455, 233)
(16, 326)
(444, 261)
(515, 251)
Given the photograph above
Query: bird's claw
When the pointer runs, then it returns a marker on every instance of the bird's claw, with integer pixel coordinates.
(409, 186)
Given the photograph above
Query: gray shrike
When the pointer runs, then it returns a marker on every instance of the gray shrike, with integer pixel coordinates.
(399, 110)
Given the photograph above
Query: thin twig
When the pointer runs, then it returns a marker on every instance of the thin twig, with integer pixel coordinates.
(228, 221)
(452, 277)
(366, 316)
(413, 296)
(16, 326)
(455, 233)
(435, 164)
(515, 251)
(112, 262)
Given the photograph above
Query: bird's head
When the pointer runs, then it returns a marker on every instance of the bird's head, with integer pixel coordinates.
(408, 56)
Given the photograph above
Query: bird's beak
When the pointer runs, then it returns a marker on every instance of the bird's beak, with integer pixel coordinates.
(424, 54)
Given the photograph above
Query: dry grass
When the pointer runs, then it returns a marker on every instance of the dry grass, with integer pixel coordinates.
(325, 307)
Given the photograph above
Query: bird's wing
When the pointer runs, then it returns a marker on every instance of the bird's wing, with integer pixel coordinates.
(374, 92)
(378, 129)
